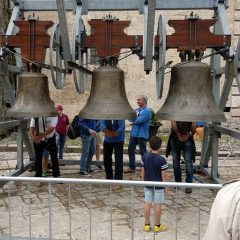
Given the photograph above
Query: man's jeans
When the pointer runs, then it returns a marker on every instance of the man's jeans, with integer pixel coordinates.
(88, 150)
(187, 148)
(133, 142)
(60, 141)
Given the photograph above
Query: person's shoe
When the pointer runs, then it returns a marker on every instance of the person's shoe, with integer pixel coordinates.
(99, 167)
(147, 228)
(90, 171)
(160, 228)
(129, 170)
(44, 173)
(85, 174)
(188, 190)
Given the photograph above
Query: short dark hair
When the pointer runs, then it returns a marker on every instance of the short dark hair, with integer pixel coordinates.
(155, 142)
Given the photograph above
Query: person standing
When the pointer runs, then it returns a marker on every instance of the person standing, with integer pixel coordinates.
(139, 133)
(114, 131)
(181, 139)
(44, 140)
(154, 168)
(88, 131)
(61, 130)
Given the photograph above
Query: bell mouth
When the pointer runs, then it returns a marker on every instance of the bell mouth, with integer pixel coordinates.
(190, 117)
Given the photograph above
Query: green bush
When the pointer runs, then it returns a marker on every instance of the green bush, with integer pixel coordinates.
(154, 121)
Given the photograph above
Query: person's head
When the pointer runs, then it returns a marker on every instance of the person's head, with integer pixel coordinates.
(155, 143)
(59, 108)
(142, 100)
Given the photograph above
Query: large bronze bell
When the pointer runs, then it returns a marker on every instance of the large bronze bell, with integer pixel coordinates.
(32, 98)
(190, 96)
(108, 99)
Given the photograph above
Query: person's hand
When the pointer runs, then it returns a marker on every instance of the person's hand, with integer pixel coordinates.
(92, 132)
(183, 137)
(36, 139)
(109, 133)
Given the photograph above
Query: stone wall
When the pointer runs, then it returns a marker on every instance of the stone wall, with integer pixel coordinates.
(136, 81)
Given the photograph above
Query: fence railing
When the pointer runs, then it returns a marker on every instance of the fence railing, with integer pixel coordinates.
(97, 209)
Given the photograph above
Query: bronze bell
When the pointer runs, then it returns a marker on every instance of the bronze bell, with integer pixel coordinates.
(32, 98)
(108, 99)
(190, 96)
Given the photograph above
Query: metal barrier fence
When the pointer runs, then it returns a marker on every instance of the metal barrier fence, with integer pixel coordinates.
(68, 208)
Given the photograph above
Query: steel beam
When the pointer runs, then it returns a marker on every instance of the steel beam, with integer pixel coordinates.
(64, 32)
(222, 22)
(19, 165)
(9, 124)
(8, 91)
(215, 143)
(16, 13)
(229, 76)
(11, 29)
(206, 147)
(111, 5)
(227, 131)
(149, 18)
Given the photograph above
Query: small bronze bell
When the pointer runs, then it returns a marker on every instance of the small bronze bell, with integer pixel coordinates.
(190, 96)
(108, 99)
(32, 98)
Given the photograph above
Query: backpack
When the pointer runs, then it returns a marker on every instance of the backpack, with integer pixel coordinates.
(74, 130)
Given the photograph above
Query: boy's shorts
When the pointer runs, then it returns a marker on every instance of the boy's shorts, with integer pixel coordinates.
(149, 195)
(45, 153)
(99, 140)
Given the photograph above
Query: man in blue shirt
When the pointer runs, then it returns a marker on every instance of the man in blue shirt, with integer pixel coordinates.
(88, 131)
(114, 131)
(139, 134)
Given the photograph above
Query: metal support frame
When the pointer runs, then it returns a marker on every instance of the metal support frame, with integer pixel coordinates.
(17, 13)
(9, 94)
(211, 137)
(148, 8)
(116, 5)
(22, 138)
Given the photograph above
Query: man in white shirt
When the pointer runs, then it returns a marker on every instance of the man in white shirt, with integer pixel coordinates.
(45, 139)
(224, 221)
